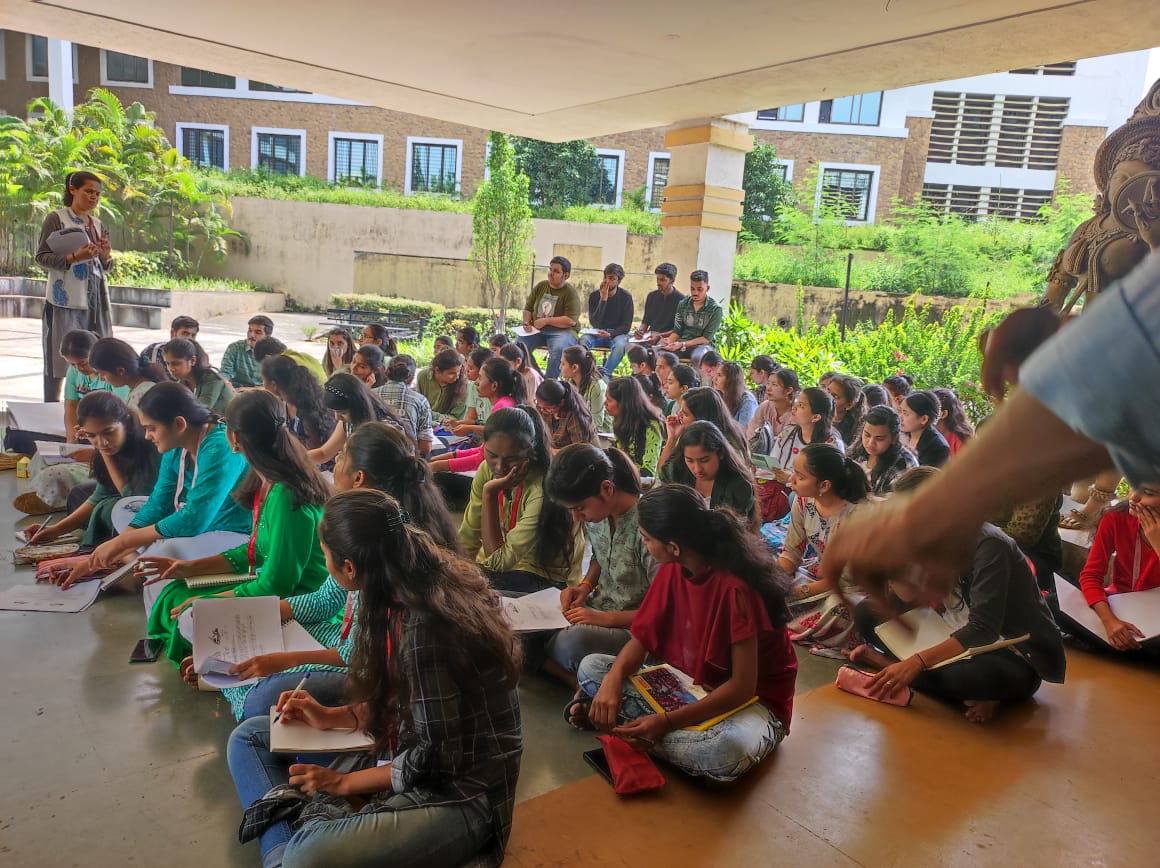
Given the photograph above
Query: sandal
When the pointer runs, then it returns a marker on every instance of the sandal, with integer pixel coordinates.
(1076, 520)
(580, 701)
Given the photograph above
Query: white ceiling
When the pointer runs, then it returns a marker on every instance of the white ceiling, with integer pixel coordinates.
(559, 70)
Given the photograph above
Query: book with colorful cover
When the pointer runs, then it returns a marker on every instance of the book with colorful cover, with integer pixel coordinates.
(667, 688)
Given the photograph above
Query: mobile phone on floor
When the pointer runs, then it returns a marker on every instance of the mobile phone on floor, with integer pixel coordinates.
(146, 651)
(599, 762)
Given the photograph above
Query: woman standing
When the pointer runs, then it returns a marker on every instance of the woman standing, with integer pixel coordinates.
(77, 295)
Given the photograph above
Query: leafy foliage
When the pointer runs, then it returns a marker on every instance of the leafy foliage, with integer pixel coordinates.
(560, 174)
(766, 191)
(261, 184)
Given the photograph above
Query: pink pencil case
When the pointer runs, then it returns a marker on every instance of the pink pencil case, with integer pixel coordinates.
(857, 682)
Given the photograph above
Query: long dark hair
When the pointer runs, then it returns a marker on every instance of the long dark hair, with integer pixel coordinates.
(635, 416)
(382, 333)
(76, 180)
(734, 392)
(845, 476)
(956, 420)
(374, 357)
(924, 403)
(113, 354)
(640, 355)
(821, 404)
(167, 401)
(578, 471)
(192, 351)
(687, 376)
(480, 355)
(453, 394)
(788, 378)
(347, 354)
(387, 457)
(852, 392)
(582, 356)
(301, 391)
(650, 384)
(677, 513)
(710, 438)
(346, 393)
(555, 540)
(403, 573)
(506, 379)
(132, 459)
(887, 417)
(706, 405)
(563, 396)
(899, 385)
(258, 422)
(517, 353)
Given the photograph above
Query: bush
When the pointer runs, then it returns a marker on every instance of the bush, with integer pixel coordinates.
(441, 319)
(260, 184)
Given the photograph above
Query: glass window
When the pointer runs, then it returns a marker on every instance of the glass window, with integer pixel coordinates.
(356, 160)
(861, 109)
(205, 148)
(434, 168)
(658, 181)
(272, 88)
(126, 67)
(191, 77)
(38, 56)
(847, 191)
(280, 154)
(783, 113)
(607, 171)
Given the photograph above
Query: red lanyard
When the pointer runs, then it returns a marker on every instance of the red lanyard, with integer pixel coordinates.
(348, 619)
(250, 549)
(515, 508)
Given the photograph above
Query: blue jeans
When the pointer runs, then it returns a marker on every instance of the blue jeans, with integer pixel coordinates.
(327, 687)
(556, 340)
(617, 345)
(723, 752)
(255, 772)
(572, 644)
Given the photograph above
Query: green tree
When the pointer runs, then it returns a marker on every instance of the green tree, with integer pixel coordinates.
(559, 174)
(501, 222)
(766, 191)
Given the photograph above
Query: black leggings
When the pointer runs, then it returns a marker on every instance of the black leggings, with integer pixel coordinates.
(999, 676)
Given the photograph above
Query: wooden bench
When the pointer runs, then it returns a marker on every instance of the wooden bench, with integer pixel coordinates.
(400, 326)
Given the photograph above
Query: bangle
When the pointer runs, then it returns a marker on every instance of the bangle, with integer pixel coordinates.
(586, 582)
(918, 654)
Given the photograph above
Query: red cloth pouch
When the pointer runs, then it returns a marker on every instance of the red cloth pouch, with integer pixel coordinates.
(632, 771)
(855, 681)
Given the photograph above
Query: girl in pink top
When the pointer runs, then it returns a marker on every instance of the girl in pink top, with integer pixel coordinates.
(499, 383)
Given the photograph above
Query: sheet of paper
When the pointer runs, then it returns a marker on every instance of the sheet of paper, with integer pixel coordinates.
(295, 638)
(538, 611)
(927, 628)
(296, 737)
(53, 452)
(228, 630)
(49, 598)
(593, 332)
(525, 331)
(1141, 608)
(39, 417)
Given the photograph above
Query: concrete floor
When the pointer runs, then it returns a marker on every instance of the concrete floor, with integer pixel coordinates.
(108, 763)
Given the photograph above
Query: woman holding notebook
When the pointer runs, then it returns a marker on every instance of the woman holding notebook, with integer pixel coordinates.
(432, 681)
(283, 493)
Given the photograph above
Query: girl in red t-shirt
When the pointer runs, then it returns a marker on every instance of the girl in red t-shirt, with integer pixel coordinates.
(716, 612)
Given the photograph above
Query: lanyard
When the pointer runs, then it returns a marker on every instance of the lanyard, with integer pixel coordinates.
(1136, 563)
(185, 454)
(348, 619)
(515, 509)
(250, 549)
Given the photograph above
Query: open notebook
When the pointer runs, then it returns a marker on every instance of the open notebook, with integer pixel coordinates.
(1141, 608)
(293, 736)
(927, 628)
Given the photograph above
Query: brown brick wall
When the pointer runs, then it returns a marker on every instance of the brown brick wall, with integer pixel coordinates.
(1077, 152)
(914, 158)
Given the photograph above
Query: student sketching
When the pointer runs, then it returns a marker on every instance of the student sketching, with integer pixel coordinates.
(284, 493)
(920, 413)
(310, 420)
(610, 312)
(444, 385)
(501, 385)
(880, 451)
(408, 403)
(339, 351)
(187, 363)
(704, 460)
(600, 488)
(376, 456)
(565, 413)
(849, 407)
(525, 542)
(715, 611)
(637, 424)
(995, 598)
(578, 366)
(81, 378)
(729, 380)
(119, 365)
(198, 472)
(440, 703)
(703, 404)
(441, 343)
(124, 464)
(660, 305)
(352, 404)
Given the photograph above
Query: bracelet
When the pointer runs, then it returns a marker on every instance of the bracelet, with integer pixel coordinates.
(586, 582)
(918, 654)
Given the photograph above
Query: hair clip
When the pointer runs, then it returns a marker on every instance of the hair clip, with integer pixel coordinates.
(334, 390)
(398, 520)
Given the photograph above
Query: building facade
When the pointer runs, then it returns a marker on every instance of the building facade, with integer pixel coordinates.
(989, 145)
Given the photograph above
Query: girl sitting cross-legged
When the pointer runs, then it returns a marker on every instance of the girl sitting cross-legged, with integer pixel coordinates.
(432, 680)
(715, 611)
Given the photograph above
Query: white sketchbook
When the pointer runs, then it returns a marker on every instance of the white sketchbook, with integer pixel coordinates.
(46, 597)
(294, 736)
(36, 416)
(1141, 608)
(228, 630)
(214, 580)
(593, 332)
(538, 611)
(525, 331)
(65, 242)
(927, 628)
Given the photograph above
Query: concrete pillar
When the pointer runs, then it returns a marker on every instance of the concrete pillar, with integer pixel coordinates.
(701, 212)
(60, 74)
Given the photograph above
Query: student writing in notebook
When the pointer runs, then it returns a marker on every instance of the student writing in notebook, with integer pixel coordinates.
(283, 493)
(996, 598)
(433, 682)
(715, 611)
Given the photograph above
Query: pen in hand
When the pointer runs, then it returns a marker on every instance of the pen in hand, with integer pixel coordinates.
(293, 694)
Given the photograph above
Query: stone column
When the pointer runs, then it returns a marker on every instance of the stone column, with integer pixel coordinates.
(60, 74)
(701, 212)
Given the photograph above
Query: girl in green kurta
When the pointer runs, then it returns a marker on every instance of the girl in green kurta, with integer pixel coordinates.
(188, 364)
(124, 464)
(282, 557)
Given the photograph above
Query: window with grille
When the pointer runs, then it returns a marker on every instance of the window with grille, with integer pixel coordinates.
(271, 88)
(861, 109)
(783, 113)
(1021, 132)
(356, 160)
(1066, 67)
(191, 77)
(205, 148)
(658, 181)
(434, 168)
(280, 154)
(607, 171)
(847, 192)
(973, 202)
(126, 68)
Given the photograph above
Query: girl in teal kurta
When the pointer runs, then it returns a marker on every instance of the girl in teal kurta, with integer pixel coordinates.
(282, 557)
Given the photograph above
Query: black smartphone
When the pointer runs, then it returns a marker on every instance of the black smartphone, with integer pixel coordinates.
(146, 651)
(598, 761)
